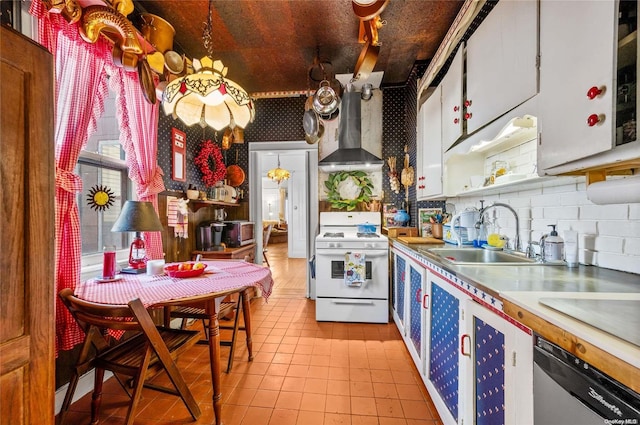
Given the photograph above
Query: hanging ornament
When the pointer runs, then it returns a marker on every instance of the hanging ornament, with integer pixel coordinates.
(100, 198)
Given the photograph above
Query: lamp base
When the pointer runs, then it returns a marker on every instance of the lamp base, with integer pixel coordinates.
(131, 270)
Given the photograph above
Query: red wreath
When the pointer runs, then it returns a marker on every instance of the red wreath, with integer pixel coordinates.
(210, 177)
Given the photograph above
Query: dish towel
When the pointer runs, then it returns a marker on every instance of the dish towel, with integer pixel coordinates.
(354, 268)
(178, 217)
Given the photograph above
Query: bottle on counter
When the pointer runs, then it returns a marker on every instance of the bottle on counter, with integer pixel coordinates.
(571, 248)
(553, 246)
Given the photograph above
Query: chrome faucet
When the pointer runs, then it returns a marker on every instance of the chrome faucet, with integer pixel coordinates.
(531, 253)
(516, 241)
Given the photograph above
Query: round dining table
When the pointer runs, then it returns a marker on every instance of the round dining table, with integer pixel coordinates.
(220, 279)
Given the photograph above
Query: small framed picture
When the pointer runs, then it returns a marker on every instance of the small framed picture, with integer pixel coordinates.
(424, 220)
(388, 212)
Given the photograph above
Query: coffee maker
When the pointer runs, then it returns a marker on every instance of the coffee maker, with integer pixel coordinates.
(209, 236)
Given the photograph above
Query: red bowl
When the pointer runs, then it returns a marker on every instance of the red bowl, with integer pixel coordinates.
(172, 271)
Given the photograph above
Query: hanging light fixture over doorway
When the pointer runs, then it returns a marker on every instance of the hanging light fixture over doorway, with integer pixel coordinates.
(278, 174)
(207, 97)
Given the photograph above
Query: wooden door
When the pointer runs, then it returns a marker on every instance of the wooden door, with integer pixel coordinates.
(27, 368)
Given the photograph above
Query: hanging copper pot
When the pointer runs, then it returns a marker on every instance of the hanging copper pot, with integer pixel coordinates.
(227, 139)
(157, 31)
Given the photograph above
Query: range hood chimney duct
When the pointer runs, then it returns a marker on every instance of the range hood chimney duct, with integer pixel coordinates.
(350, 150)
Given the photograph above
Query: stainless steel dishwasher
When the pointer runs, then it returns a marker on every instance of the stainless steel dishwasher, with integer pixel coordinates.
(567, 390)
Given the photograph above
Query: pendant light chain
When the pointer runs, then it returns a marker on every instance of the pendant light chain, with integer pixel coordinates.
(207, 33)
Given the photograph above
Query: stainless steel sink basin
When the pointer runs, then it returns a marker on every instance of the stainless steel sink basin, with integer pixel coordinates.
(480, 256)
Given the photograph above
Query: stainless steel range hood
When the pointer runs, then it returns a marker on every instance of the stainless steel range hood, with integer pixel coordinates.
(350, 151)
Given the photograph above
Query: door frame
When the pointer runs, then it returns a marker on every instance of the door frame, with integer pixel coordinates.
(256, 151)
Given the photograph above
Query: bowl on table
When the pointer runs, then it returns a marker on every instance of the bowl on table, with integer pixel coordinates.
(182, 270)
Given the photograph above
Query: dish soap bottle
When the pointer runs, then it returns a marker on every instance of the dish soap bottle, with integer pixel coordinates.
(553, 245)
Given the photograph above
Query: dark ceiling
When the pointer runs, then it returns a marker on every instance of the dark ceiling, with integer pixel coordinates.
(269, 45)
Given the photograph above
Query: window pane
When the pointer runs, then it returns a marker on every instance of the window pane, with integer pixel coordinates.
(96, 224)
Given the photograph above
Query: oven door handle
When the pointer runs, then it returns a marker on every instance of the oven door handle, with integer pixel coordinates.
(375, 254)
(352, 301)
(332, 253)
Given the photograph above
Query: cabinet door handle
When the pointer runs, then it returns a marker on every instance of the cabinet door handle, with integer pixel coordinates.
(468, 115)
(462, 338)
(595, 92)
(467, 103)
(595, 119)
(456, 120)
(456, 108)
(418, 292)
(425, 297)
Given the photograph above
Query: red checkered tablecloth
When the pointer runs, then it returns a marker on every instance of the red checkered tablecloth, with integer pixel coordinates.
(219, 276)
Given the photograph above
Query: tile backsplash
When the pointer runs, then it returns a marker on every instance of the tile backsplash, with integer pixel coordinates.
(609, 235)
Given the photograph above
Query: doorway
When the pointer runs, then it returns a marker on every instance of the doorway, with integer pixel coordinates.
(301, 191)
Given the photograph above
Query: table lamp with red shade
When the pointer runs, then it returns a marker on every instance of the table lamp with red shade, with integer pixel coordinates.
(137, 216)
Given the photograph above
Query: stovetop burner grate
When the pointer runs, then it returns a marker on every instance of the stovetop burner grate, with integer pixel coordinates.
(367, 235)
(334, 235)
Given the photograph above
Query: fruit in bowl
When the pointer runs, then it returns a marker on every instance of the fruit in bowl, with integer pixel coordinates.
(186, 269)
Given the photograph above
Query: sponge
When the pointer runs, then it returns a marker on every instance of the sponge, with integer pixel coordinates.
(494, 239)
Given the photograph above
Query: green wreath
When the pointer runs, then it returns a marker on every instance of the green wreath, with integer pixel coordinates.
(333, 189)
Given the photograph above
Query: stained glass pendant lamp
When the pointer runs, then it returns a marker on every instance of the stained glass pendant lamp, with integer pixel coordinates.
(278, 174)
(207, 97)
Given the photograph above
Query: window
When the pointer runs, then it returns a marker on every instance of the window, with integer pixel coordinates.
(102, 165)
(101, 171)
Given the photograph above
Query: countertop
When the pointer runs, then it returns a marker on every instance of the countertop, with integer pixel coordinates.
(552, 278)
(520, 287)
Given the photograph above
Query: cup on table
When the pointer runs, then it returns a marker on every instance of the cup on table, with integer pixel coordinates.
(155, 267)
(109, 262)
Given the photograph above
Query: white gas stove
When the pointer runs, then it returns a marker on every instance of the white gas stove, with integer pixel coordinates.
(345, 236)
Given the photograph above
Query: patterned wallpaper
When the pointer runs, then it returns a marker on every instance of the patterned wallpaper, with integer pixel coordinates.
(281, 120)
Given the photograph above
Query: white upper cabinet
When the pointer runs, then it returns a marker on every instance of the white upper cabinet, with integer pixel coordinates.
(429, 181)
(452, 101)
(502, 61)
(578, 96)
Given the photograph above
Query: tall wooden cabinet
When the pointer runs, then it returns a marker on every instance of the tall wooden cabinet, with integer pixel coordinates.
(27, 368)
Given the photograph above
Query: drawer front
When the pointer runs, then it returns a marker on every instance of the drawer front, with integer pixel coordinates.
(352, 310)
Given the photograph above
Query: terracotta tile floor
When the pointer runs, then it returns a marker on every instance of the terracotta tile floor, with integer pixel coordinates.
(304, 372)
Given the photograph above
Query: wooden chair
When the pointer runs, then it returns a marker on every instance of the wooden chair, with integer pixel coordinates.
(198, 313)
(149, 351)
(266, 234)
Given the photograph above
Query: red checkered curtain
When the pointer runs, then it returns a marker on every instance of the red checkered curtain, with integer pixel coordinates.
(81, 87)
(139, 139)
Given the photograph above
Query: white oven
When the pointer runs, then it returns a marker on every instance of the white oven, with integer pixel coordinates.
(336, 299)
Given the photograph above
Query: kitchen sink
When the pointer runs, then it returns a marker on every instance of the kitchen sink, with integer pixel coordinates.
(480, 256)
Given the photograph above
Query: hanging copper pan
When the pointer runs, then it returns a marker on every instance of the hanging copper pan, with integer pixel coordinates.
(147, 83)
(366, 61)
(235, 174)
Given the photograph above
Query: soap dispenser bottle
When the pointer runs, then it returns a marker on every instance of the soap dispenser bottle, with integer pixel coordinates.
(553, 245)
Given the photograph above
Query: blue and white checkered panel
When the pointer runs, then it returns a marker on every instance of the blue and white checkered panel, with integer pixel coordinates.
(445, 309)
(489, 374)
(415, 310)
(400, 287)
